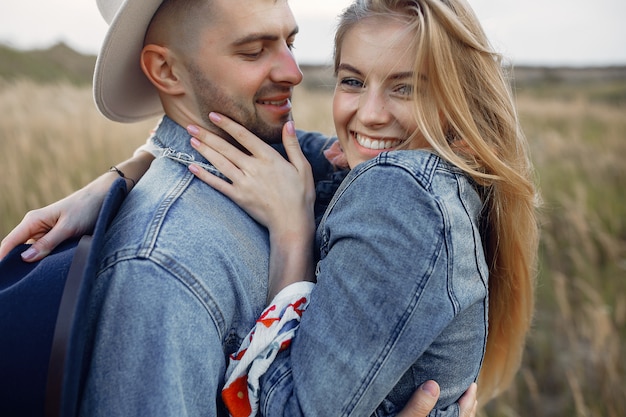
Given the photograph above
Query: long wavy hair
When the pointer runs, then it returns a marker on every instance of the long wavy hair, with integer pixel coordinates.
(466, 112)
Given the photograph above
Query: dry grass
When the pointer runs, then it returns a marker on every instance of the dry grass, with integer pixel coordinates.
(573, 364)
(54, 142)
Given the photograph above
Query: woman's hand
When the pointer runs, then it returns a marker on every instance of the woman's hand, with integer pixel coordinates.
(73, 216)
(275, 192)
(47, 227)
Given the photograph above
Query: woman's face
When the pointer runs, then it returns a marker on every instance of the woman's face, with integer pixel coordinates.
(373, 105)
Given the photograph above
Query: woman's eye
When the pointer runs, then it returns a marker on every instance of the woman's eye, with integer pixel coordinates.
(404, 90)
(351, 82)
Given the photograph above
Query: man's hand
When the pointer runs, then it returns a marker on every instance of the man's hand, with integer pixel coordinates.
(424, 399)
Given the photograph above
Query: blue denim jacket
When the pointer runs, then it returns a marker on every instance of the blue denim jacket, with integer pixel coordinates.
(181, 281)
(401, 295)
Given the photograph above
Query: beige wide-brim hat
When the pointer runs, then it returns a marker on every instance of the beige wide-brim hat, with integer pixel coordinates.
(121, 90)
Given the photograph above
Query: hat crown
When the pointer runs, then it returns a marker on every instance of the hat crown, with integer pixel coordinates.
(108, 8)
(121, 90)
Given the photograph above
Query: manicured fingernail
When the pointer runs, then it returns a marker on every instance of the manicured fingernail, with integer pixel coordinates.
(29, 253)
(193, 130)
(195, 142)
(291, 127)
(215, 117)
(430, 388)
(194, 169)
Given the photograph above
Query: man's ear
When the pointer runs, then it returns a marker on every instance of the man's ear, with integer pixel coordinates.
(156, 63)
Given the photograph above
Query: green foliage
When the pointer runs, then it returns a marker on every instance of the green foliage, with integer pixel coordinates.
(57, 64)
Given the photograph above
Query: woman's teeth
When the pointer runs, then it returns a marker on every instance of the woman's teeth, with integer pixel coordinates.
(376, 144)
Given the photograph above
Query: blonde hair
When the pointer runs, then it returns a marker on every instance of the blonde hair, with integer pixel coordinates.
(466, 88)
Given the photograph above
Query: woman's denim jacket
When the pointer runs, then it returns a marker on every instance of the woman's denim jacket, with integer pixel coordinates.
(401, 295)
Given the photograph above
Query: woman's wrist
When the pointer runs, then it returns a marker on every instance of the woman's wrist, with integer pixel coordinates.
(291, 259)
(131, 170)
(130, 183)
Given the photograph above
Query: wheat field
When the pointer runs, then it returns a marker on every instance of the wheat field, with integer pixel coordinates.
(54, 142)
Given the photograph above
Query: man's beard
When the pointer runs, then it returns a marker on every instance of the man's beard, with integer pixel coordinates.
(210, 97)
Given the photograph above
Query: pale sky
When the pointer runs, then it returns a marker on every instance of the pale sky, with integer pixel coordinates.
(534, 32)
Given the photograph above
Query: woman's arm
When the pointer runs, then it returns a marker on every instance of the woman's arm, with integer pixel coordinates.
(72, 216)
(373, 312)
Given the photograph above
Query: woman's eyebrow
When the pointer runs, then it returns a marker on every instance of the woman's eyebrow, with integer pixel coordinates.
(395, 76)
(348, 67)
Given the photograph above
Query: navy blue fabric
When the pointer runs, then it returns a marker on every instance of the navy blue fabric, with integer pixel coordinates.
(75, 367)
(30, 294)
(29, 302)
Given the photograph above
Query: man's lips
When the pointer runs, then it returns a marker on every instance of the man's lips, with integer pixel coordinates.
(278, 105)
(274, 102)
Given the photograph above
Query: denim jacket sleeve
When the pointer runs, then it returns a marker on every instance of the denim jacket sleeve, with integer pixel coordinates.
(383, 297)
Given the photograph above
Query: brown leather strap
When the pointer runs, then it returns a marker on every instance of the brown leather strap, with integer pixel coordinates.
(63, 328)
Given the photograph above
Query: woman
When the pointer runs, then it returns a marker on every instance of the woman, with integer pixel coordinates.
(438, 208)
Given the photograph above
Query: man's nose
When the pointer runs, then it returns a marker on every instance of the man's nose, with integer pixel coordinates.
(286, 69)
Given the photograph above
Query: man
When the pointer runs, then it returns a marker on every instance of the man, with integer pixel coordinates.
(182, 276)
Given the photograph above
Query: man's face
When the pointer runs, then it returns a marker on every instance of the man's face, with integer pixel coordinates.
(245, 67)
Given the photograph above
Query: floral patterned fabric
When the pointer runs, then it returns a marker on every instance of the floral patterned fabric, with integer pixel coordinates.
(271, 334)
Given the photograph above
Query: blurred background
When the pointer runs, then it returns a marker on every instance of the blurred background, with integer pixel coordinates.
(567, 61)
(529, 32)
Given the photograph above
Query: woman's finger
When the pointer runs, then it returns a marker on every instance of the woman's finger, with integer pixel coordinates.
(215, 148)
(214, 181)
(292, 147)
(28, 229)
(243, 136)
(219, 161)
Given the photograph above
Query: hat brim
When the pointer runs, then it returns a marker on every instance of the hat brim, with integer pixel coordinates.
(121, 90)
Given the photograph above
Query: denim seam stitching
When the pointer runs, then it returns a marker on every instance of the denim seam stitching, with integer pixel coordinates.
(154, 228)
(193, 286)
(398, 330)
